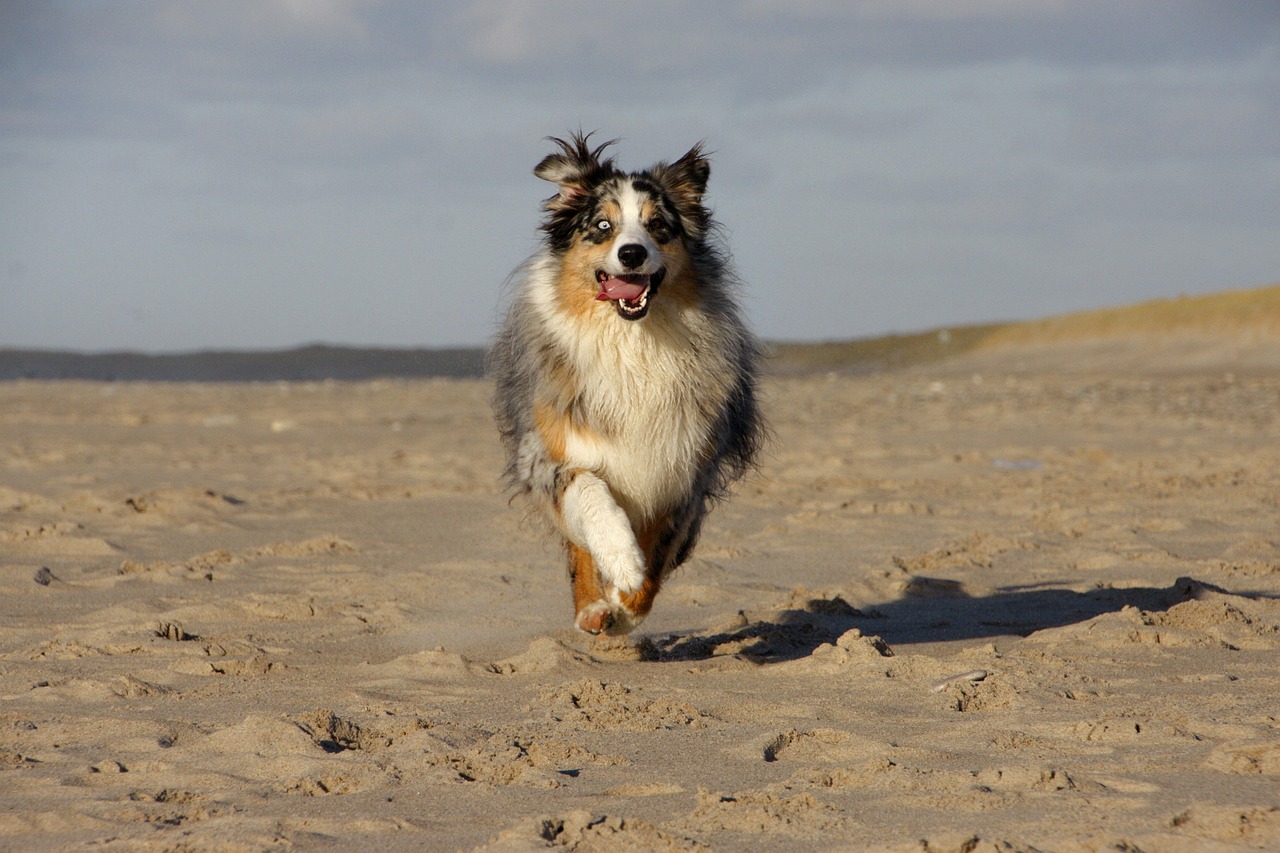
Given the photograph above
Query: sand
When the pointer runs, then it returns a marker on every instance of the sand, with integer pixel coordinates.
(983, 605)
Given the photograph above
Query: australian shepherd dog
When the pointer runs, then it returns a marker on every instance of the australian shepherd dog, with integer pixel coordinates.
(625, 376)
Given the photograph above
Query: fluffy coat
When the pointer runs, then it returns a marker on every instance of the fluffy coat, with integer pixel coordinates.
(625, 376)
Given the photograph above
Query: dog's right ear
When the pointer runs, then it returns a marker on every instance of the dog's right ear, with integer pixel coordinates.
(576, 168)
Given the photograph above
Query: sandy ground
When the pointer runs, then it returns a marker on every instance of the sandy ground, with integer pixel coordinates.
(959, 609)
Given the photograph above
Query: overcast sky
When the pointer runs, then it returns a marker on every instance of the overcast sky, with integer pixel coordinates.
(266, 173)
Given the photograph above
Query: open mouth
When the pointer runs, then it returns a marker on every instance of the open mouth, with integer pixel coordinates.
(629, 292)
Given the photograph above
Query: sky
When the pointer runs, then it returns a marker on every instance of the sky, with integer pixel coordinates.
(261, 174)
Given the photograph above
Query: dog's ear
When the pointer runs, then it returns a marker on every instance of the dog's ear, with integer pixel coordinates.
(576, 168)
(685, 181)
(687, 177)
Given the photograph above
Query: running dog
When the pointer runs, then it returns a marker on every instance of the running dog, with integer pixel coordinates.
(625, 376)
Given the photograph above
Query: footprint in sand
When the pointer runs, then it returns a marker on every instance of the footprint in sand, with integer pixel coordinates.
(601, 706)
(583, 830)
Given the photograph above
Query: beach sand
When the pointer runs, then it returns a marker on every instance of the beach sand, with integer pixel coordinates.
(1016, 601)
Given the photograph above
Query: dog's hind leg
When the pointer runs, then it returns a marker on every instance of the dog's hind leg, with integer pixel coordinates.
(592, 613)
(666, 544)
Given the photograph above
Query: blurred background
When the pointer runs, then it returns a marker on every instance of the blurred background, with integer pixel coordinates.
(255, 174)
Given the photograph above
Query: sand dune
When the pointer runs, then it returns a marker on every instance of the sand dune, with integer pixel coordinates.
(970, 605)
(1237, 330)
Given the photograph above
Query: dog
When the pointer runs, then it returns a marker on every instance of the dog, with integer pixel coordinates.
(625, 377)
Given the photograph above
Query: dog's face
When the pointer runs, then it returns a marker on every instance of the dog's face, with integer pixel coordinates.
(621, 236)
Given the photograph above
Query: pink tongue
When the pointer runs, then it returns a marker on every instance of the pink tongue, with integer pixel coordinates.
(618, 288)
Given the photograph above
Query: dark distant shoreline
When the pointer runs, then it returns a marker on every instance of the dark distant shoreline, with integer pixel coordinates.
(318, 362)
(1250, 318)
(303, 364)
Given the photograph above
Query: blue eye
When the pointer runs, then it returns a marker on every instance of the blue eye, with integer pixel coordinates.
(604, 225)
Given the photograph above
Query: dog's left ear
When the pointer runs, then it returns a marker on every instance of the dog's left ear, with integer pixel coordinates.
(685, 181)
(686, 178)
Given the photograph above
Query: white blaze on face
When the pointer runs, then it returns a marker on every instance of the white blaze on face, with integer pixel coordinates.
(631, 232)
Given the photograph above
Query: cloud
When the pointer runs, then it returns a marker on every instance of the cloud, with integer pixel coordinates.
(518, 32)
(959, 10)
(260, 21)
(360, 171)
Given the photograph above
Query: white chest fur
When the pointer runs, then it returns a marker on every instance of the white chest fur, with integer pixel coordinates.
(645, 439)
(648, 397)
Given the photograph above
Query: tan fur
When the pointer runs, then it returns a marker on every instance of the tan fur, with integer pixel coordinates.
(552, 426)
(576, 285)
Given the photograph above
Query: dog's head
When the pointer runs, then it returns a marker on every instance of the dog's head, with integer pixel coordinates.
(623, 233)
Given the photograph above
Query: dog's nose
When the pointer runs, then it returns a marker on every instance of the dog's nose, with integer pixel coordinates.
(632, 255)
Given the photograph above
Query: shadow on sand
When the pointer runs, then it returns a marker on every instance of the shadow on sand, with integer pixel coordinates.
(931, 611)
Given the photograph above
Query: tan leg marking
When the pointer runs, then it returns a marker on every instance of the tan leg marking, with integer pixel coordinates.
(592, 612)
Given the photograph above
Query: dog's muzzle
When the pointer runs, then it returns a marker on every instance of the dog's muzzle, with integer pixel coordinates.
(629, 292)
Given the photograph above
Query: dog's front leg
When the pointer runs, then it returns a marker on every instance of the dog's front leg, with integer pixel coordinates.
(594, 521)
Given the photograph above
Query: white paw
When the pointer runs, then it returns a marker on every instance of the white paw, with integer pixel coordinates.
(607, 617)
(594, 618)
(621, 565)
(623, 620)
(593, 520)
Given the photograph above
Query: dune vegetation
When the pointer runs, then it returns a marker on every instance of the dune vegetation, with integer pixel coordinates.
(1245, 314)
